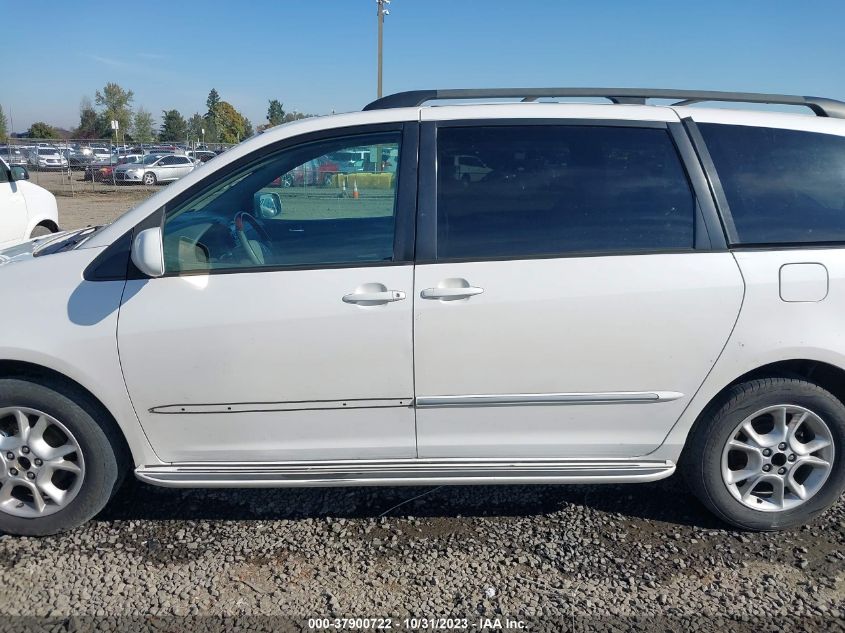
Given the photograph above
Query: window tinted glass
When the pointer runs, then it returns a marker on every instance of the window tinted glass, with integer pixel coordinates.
(304, 208)
(549, 190)
(782, 185)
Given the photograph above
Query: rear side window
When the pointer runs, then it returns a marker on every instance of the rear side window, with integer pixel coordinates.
(536, 190)
(782, 186)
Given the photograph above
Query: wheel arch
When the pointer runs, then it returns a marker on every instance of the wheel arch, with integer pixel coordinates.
(826, 375)
(46, 222)
(50, 377)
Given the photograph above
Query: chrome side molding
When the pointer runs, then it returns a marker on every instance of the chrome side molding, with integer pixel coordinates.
(258, 407)
(527, 399)
(486, 400)
(412, 472)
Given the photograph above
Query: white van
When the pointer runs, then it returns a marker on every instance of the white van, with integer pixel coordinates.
(630, 290)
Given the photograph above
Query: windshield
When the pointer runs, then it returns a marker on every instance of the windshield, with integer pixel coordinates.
(48, 151)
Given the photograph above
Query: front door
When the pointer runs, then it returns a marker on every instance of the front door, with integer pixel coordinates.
(282, 329)
(565, 307)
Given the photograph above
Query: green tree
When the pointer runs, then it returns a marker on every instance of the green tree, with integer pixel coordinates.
(248, 129)
(173, 126)
(213, 105)
(89, 122)
(4, 125)
(196, 124)
(212, 101)
(296, 116)
(275, 113)
(142, 126)
(116, 104)
(39, 129)
(231, 125)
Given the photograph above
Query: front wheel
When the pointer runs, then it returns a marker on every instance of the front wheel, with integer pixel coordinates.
(149, 178)
(769, 454)
(59, 463)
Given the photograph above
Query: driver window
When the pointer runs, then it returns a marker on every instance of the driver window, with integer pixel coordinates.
(324, 203)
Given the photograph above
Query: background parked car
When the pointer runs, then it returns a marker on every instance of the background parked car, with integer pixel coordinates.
(202, 156)
(101, 153)
(76, 158)
(47, 158)
(27, 209)
(160, 149)
(155, 168)
(13, 155)
(101, 170)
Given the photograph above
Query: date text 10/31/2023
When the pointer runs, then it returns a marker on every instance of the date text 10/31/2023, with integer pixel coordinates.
(417, 624)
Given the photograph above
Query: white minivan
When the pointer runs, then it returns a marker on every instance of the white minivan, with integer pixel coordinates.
(26, 210)
(626, 289)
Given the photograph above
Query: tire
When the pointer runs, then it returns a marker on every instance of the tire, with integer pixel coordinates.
(40, 231)
(709, 465)
(100, 459)
(149, 179)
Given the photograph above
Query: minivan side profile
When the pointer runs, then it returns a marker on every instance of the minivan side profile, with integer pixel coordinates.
(616, 292)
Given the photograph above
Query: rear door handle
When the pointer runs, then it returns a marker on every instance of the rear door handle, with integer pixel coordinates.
(374, 298)
(450, 293)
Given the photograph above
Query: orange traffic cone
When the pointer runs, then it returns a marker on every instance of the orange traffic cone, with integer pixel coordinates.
(355, 189)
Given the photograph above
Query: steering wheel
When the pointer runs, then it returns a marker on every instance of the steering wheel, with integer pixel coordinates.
(255, 254)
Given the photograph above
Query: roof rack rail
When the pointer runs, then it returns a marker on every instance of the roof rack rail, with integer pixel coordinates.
(413, 98)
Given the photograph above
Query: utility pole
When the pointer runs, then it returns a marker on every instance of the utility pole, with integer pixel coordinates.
(382, 11)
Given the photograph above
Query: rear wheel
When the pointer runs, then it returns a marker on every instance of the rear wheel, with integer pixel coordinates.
(768, 455)
(58, 461)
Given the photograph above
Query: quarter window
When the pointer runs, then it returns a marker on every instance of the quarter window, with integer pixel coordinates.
(782, 186)
(533, 191)
(326, 203)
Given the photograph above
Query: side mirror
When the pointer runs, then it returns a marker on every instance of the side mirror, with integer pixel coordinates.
(267, 205)
(148, 252)
(19, 172)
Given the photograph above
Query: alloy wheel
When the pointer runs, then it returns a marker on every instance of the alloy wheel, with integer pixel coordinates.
(778, 458)
(41, 464)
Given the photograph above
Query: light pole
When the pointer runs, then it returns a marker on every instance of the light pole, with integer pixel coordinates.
(382, 11)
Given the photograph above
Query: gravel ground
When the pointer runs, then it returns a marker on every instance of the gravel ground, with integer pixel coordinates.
(573, 557)
(564, 558)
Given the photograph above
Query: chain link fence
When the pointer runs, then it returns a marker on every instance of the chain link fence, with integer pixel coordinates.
(77, 166)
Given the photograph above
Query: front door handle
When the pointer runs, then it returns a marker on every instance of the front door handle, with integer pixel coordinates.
(374, 298)
(451, 293)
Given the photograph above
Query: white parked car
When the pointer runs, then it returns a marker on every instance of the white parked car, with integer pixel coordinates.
(630, 290)
(26, 210)
(42, 158)
(101, 153)
(152, 169)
